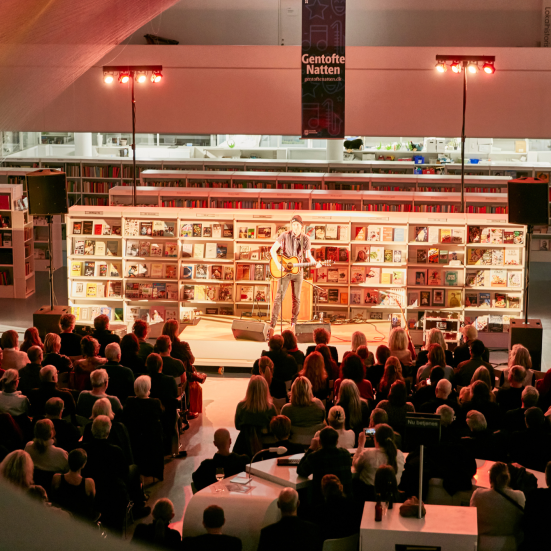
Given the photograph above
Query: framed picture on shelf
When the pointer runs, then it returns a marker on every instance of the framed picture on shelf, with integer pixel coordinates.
(438, 297)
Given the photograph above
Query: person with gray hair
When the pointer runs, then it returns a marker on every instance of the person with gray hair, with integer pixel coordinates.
(121, 378)
(12, 400)
(442, 397)
(290, 533)
(478, 443)
(446, 415)
(514, 418)
(48, 389)
(463, 352)
(66, 434)
(87, 398)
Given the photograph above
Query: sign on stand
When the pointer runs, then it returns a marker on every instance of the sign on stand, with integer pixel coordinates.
(323, 66)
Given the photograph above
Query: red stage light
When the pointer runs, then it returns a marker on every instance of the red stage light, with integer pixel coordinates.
(124, 78)
(489, 68)
(456, 67)
(156, 77)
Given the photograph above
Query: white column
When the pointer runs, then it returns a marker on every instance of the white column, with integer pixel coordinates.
(83, 144)
(335, 150)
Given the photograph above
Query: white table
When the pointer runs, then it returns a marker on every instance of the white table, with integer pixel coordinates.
(245, 513)
(451, 528)
(284, 476)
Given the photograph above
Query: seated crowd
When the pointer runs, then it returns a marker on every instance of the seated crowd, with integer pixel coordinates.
(88, 425)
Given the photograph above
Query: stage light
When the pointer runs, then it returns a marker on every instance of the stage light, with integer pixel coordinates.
(489, 68)
(456, 67)
(108, 78)
(441, 67)
(124, 78)
(473, 67)
(141, 77)
(156, 77)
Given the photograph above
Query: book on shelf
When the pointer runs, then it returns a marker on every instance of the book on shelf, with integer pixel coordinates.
(496, 235)
(413, 299)
(497, 257)
(156, 249)
(513, 301)
(396, 255)
(421, 234)
(225, 293)
(78, 247)
(512, 256)
(77, 228)
(131, 227)
(485, 300)
(331, 231)
(171, 249)
(434, 277)
(171, 271)
(89, 268)
(246, 293)
(227, 231)
(216, 272)
(199, 250)
(78, 289)
(373, 233)
(186, 230)
(207, 230)
(355, 296)
(112, 248)
(360, 234)
(158, 228)
(451, 278)
(115, 289)
(344, 233)
(221, 251)
(422, 255)
(319, 232)
(387, 234)
(243, 272)
(157, 270)
(146, 229)
(420, 277)
(333, 295)
(114, 270)
(132, 248)
(144, 248)
(187, 250)
(376, 254)
(445, 235)
(498, 278)
(454, 299)
(197, 230)
(210, 250)
(357, 274)
(500, 300)
(442, 257)
(372, 275)
(188, 292)
(201, 271)
(458, 235)
(388, 255)
(471, 300)
(172, 291)
(399, 235)
(76, 268)
(386, 277)
(216, 230)
(434, 256)
(87, 227)
(228, 273)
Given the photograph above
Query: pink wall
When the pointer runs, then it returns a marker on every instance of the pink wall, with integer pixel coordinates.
(256, 90)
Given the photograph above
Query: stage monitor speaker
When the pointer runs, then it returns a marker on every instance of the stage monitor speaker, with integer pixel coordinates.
(528, 202)
(250, 330)
(47, 320)
(305, 331)
(47, 190)
(530, 336)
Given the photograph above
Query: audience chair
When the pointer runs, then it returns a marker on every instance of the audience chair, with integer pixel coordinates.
(350, 543)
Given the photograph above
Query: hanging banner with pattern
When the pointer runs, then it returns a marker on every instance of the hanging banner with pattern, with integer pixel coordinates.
(323, 63)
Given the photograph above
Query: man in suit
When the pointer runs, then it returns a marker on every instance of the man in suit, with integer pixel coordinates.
(322, 336)
(464, 372)
(290, 533)
(121, 379)
(462, 352)
(213, 540)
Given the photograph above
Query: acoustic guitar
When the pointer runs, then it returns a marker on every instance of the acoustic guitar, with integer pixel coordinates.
(291, 265)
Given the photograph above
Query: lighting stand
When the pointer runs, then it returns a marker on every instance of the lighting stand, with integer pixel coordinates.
(463, 137)
(50, 219)
(133, 145)
(529, 231)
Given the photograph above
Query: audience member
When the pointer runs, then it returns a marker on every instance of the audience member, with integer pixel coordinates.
(99, 380)
(121, 378)
(17, 469)
(232, 463)
(290, 533)
(465, 395)
(31, 338)
(336, 515)
(355, 408)
(12, 400)
(531, 447)
(52, 346)
(280, 427)
(518, 355)
(397, 406)
(481, 401)
(324, 457)
(336, 419)
(304, 410)
(537, 514)
(141, 330)
(266, 370)
(499, 509)
(182, 351)
(290, 345)
(213, 540)
(90, 361)
(359, 340)
(353, 368)
(102, 333)
(130, 346)
(322, 336)
(464, 371)
(12, 357)
(66, 434)
(398, 344)
(314, 371)
(44, 454)
(330, 364)
(48, 389)
(253, 416)
(442, 397)
(29, 376)
(171, 366)
(434, 336)
(366, 356)
(436, 358)
(142, 417)
(392, 373)
(514, 419)
(463, 352)
(482, 374)
(374, 374)
(426, 390)
(380, 416)
(544, 388)
(158, 534)
(71, 491)
(511, 397)
(70, 341)
(367, 460)
(478, 443)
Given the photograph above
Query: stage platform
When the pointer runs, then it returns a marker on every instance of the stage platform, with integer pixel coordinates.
(213, 344)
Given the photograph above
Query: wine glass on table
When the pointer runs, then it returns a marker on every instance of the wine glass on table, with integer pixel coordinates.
(219, 478)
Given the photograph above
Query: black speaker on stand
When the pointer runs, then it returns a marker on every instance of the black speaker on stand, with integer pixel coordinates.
(47, 192)
(528, 204)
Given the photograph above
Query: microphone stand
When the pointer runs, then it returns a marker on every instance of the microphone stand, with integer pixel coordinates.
(280, 450)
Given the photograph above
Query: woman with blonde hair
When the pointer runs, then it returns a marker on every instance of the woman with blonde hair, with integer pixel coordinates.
(519, 355)
(314, 371)
(436, 358)
(52, 346)
(433, 336)
(482, 374)
(393, 373)
(90, 362)
(158, 534)
(17, 469)
(44, 454)
(304, 410)
(336, 419)
(252, 416)
(398, 344)
(266, 369)
(355, 408)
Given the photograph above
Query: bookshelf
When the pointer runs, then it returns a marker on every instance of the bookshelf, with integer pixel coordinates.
(172, 262)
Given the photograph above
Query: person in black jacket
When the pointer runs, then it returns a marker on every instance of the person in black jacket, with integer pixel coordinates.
(290, 533)
(464, 371)
(48, 389)
(462, 352)
(52, 346)
(532, 447)
(537, 513)
(171, 366)
(514, 418)
(158, 534)
(232, 463)
(102, 334)
(213, 540)
(29, 376)
(66, 434)
(121, 379)
(322, 336)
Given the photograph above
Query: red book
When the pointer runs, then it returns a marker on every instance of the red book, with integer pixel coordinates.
(97, 229)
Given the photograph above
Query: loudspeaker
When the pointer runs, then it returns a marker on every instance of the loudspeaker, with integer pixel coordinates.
(250, 330)
(47, 190)
(305, 331)
(530, 336)
(47, 321)
(528, 201)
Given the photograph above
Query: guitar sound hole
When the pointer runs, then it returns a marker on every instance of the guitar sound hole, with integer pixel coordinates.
(289, 266)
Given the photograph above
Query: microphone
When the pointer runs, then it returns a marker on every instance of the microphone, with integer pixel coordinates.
(280, 450)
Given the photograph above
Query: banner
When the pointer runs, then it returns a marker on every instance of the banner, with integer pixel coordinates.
(323, 66)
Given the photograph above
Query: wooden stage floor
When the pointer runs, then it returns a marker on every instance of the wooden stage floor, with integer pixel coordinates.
(213, 344)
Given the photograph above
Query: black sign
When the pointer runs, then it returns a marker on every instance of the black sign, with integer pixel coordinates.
(422, 429)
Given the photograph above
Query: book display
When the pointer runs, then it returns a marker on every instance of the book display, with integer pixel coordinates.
(151, 263)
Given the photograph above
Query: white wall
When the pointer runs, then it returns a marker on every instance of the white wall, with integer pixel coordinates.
(504, 23)
(256, 90)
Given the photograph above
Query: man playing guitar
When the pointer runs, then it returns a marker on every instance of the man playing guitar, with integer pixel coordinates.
(293, 243)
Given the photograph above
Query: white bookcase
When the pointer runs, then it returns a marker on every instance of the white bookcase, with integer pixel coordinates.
(191, 267)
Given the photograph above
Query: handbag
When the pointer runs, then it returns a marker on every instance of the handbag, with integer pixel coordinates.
(195, 397)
